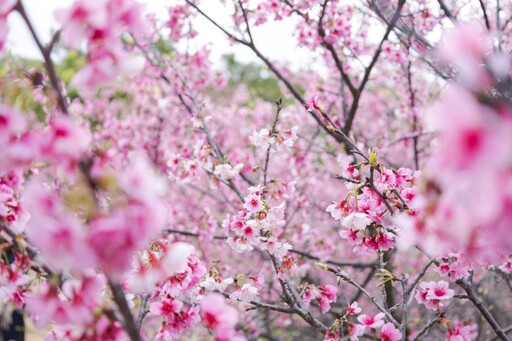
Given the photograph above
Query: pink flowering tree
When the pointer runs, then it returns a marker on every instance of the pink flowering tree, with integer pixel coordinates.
(145, 194)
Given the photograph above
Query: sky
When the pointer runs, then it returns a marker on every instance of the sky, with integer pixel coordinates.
(272, 39)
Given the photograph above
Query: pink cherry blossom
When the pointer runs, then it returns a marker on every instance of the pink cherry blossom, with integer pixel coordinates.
(65, 141)
(462, 332)
(336, 210)
(371, 321)
(216, 315)
(389, 332)
(81, 20)
(357, 221)
(60, 235)
(5, 9)
(438, 290)
(312, 103)
(253, 203)
(245, 293)
(353, 309)
(433, 293)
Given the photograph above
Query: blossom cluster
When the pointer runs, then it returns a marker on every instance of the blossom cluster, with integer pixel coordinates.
(465, 205)
(364, 212)
(258, 225)
(100, 24)
(324, 296)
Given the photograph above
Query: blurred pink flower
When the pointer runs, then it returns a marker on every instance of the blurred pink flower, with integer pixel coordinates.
(390, 333)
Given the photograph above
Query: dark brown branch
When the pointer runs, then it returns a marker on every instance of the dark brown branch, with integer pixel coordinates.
(367, 280)
(128, 322)
(445, 9)
(256, 304)
(467, 285)
(468, 288)
(486, 18)
(370, 184)
(505, 330)
(357, 96)
(403, 322)
(359, 265)
(292, 298)
(295, 10)
(505, 24)
(192, 234)
(46, 52)
(418, 278)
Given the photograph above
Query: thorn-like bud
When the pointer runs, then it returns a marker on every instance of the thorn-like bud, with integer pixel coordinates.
(322, 266)
(373, 157)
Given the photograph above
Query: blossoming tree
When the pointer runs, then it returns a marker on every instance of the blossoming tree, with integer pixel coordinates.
(145, 197)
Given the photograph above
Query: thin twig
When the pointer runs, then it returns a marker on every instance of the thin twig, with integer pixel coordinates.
(342, 274)
(420, 275)
(486, 18)
(248, 27)
(279, 107)
(427, 327)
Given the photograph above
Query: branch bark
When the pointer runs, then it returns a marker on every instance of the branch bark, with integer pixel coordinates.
(128, 321)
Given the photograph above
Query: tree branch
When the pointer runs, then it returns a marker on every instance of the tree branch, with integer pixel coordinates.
(357, 96)
(143, 311)
(129, 323)
(468, 288)
(46, 52)
(486, 18)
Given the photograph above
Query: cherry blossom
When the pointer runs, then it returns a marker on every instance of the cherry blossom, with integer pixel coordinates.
(217, 316)
(388, 332)
(461, 332)
(371, 321)
(433, 294)
(353, 309)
